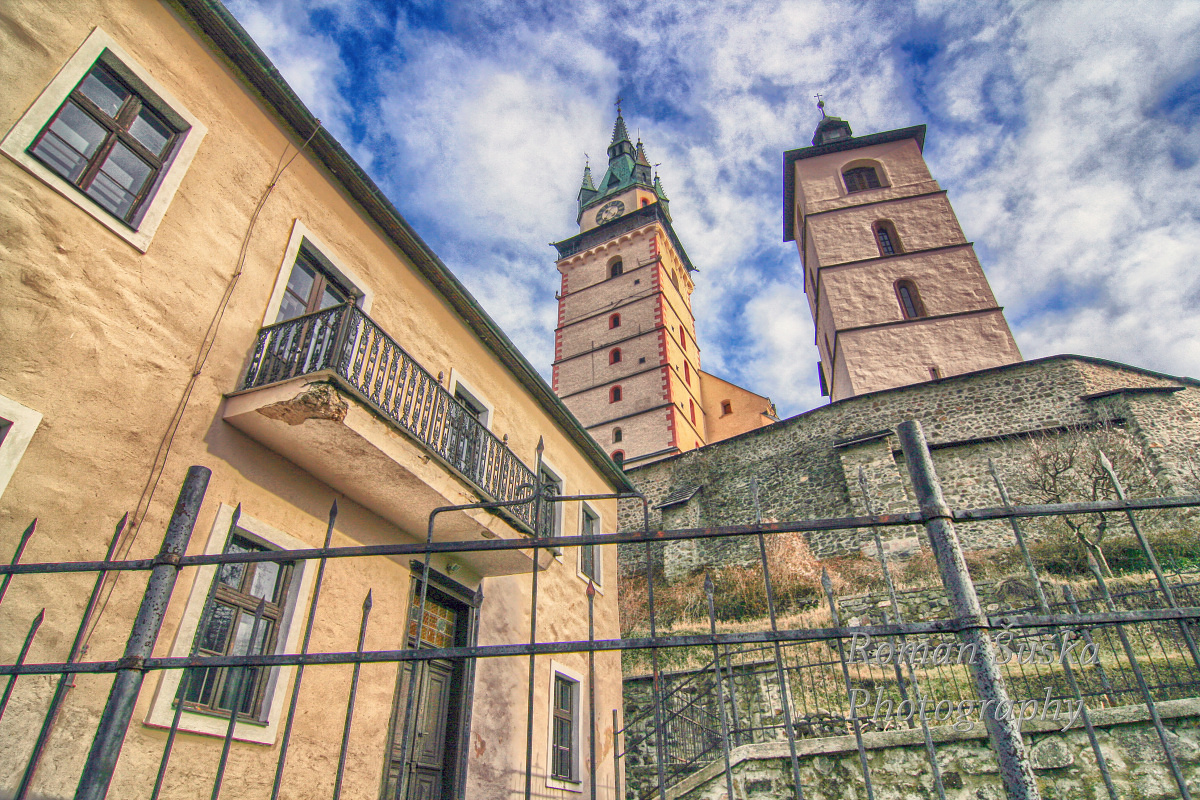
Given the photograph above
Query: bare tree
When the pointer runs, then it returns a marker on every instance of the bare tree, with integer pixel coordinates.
(1065, 468)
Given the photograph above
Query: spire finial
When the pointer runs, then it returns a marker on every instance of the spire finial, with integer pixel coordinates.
(618, 104)
(821, 105)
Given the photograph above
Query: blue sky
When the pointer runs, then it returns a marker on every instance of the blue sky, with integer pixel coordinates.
(1066, 134)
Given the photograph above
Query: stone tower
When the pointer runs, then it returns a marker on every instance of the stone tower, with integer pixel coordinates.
(895, 290)
(625, 356)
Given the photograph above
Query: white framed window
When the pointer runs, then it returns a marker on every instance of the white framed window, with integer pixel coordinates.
(471, 398)
(264, 695)
(590, 564)
(552, 514)
(564, 735)
(108, 137)
(312, 277)
(17, 424)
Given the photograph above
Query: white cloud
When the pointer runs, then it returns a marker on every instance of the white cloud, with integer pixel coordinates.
(1044, 124)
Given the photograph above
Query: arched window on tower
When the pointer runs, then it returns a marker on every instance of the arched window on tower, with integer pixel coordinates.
(617, 435)
(615, 268)
(910, 300)
(886, 238)
(682, 338)
(860, 179)
(614, 394)
(614, 321)
(614, 357)
(687, 373)
(619, 457)
(692, 410)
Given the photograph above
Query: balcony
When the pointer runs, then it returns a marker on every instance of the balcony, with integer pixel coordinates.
(335, 394)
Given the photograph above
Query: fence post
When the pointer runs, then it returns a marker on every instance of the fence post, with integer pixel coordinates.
(110, 735)
(1003, 729)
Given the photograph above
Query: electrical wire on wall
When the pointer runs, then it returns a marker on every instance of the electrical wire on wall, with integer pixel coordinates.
(159, 463)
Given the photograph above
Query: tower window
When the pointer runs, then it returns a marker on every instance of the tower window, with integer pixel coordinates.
(861, 179)
(726, 407)
(614, 357)
(886, 238)
(692, 410)
(617, 435)
(910, 299)
(682, 339)
(614, 394)
(687, 373)
(614, 321)
(934, 373)
(619, 457)
(615, 268)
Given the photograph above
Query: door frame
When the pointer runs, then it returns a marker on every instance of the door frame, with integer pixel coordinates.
(467, 602)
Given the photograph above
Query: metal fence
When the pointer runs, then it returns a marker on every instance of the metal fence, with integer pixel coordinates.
(1146, 648)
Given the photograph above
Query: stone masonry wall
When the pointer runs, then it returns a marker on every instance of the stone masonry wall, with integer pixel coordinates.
(1064, 763)
(806, 467)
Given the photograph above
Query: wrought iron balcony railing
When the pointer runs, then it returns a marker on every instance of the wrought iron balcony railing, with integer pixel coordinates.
(365, 359)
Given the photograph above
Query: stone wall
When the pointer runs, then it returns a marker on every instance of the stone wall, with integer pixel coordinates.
(1064, 763)
(806, 467)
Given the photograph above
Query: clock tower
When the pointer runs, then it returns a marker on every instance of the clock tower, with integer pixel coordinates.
(626, 361)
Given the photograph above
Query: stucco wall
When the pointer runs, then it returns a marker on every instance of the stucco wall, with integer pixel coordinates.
(107, 340)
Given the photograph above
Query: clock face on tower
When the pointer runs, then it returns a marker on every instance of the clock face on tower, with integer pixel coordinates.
(610, 211)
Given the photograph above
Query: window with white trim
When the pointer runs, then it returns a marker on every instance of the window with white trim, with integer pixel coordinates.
(109, 138)
(17, 424)
(564, 755)
(589, 554)
(223, 626)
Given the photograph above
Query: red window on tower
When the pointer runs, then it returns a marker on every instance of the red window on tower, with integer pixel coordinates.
(614, 394)
(692, 408)
(615, 356)
(687, 373)
(614, 321)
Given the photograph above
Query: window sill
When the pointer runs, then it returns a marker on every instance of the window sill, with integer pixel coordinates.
(565, 785)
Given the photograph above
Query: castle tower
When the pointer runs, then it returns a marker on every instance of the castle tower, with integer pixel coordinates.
(895, 290)
(626, 361)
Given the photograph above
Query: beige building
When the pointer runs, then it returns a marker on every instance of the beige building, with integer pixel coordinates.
(895, 290)
(626, 359)
(197, 273)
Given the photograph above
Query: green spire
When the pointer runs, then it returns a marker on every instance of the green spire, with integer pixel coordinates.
(641, 154)
(588, 189)
(658, 188)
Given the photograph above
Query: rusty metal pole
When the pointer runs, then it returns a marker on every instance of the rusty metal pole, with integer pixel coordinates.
(114, 721)
(1003, 729)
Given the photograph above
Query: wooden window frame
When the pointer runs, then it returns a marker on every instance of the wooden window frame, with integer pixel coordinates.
(100, 47)
(323, 279)
(590, 567)
(565, 735)
(117, 132)
(244, 603)
(857, 180)
(616, 268)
